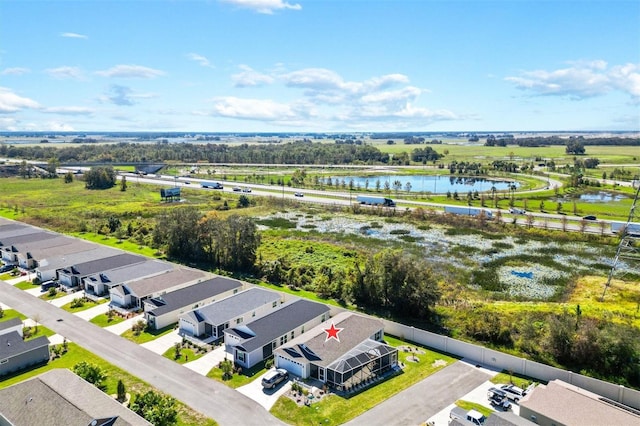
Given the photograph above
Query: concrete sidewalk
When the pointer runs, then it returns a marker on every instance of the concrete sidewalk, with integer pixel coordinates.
(90, 313)
(205, 363)
(163, 343)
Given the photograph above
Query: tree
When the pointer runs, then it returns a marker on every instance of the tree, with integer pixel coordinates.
(227, 367)
(575, 147)
(123, 184)
(156, 408)
(68, 177)
(177, 230)
(52, 166)
(91, 373)
(100, 177)
(177, 350)
(121, 391)
(243, 201)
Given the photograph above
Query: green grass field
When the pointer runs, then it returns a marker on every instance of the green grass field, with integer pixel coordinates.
(147, 336)
(103, 320)
(86, 304)
(335, 410)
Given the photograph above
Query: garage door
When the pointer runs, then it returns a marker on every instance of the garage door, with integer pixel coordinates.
(289, 365)
(187, 327)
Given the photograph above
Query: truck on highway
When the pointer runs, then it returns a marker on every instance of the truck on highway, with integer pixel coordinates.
(468, 211)
(212, 185)
(375, 201)
(471, 416)
(632, 228)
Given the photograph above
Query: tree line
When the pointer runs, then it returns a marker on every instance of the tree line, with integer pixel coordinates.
(287, 153)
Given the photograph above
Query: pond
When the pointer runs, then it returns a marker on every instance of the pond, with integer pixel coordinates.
(601, 197)
(422, 183)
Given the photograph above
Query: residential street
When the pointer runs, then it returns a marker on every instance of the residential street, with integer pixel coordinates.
(423, 400)
(213, 399)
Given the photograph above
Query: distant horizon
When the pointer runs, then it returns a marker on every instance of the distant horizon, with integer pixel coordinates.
(278, 66)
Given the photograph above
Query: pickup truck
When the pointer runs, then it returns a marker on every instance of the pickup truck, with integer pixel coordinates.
(471, 416)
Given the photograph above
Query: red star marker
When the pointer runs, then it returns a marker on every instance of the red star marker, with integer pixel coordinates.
(332, 332)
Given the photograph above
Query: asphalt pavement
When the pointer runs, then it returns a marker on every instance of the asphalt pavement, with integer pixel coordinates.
(213, 399)
(423, 400)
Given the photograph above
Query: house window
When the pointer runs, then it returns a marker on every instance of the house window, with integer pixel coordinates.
(4, 361)
(293, 333)
(274, 304)
(240, 356)
(235, 291)
(378, 336)
(238, 320)
(273, 344)
(253, 314)
(302, 330)
(323, 318)
(283, 340)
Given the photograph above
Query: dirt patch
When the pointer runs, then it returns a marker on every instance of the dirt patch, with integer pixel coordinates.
(439, 363)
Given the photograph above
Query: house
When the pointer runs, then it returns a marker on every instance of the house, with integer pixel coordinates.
(59, 397)
(16, 353)
(357, 352)
(547, 405)
(255, 341)
(10, 229)
(210, 321)
(82, 252)
(164, 310)
(26, 255)
(99, 284)
(132, 294)
(11, 246)
(71, 277)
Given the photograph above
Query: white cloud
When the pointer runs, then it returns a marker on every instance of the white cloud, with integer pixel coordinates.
(248, 77)
(202, 60)
(123, 95)
(15, 71)
(73, 35)
(581, 80)
(254, 109)
(130, 71)
(266, 7)
(69, 110)
(10, 102)
(9, 124)
(314, 78)
(65, 72)
(57, 126)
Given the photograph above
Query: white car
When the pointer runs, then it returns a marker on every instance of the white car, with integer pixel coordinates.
(513, 392)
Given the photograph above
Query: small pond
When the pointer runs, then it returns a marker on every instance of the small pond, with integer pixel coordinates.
(422, 183)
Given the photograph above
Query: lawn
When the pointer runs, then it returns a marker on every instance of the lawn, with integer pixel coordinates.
(26, 285)
(103, 320)
(238, 379)
(509, 378)
(57, 295)
(147, 335)
(335, 410)
(468, 405)
(82, 305)
(133, 385)
(8, 314)
(186, 355)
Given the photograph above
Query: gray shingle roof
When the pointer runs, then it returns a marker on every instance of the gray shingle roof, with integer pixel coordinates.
(43, 246)
(193, 294)
(278, 323)
(233, 306)
(130, 272)
(59, 397)
(13, 229)
(9, 323)
(158, 283)
(85, 252)
(103, 264)
(27, 238)
(11, 344)
(355, 330)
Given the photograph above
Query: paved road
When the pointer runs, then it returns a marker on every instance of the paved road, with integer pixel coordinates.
(423, 400)
(207, 396)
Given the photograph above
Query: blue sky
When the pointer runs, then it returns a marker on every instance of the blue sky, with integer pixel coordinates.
(319, 65)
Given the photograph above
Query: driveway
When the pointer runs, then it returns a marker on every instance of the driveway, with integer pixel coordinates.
(213, 399)
(264, 397)
(123, 326)
(426, 398)
(91, 313)
(163, 343)
(205, 363)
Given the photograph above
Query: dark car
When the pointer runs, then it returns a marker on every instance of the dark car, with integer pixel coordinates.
(590, 217)
(299, 194)
(498, 399)
(274, 377)
(237, 189)
(6, 268)
(49, 284)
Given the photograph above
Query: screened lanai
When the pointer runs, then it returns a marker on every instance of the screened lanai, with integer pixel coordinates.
(366, 361)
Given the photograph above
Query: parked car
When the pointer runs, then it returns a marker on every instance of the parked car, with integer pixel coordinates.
(237, 189)
(274, 377)
(6, 268)
(590, 217)
(513, 392)
(246, 189)
(498, 399)
(299, 194)
(49, 284)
